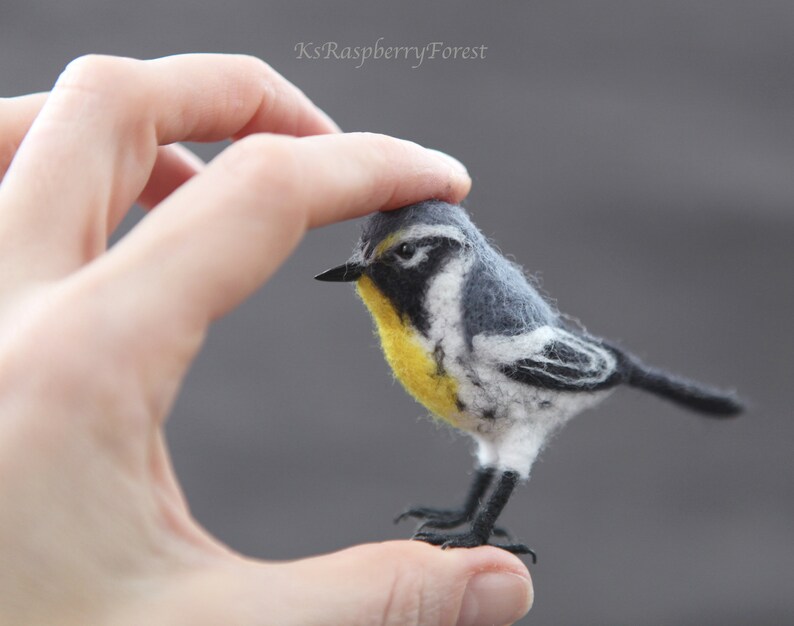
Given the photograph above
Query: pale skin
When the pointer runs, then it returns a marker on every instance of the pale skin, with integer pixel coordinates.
(94, 528)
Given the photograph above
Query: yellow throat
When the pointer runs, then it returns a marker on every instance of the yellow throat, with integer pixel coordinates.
(408, 358)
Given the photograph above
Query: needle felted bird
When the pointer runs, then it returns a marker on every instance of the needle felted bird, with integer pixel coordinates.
(470, 337)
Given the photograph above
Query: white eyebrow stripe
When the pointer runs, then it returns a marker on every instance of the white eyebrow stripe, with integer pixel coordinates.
(420, 231)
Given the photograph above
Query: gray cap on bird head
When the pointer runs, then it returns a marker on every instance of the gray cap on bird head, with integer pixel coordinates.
(380, 225)
(431, 212)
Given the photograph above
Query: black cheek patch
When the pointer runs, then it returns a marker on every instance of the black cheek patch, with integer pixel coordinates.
(406, 287)
(404, 291)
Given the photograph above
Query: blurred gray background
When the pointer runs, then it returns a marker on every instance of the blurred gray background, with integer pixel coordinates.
(640, 158)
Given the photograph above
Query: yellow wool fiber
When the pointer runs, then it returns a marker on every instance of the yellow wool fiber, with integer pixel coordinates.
(410, 362)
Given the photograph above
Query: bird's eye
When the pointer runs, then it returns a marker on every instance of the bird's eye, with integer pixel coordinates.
(405, 251)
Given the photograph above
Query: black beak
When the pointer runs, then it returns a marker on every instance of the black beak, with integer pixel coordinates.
(345, 273)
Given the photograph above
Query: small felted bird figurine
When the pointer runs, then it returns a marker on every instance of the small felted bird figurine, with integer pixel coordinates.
(470, 337)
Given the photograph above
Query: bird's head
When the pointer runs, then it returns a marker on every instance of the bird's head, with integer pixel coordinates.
(400, 251)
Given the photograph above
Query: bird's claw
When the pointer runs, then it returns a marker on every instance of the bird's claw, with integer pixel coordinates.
(436, 524)
(444, 519)
(435, 518)
(518, 548)
(471, 539)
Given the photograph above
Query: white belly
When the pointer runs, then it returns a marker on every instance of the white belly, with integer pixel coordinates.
(510, 420)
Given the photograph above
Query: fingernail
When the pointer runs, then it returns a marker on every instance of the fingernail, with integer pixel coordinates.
(495, 599)
(451, 161)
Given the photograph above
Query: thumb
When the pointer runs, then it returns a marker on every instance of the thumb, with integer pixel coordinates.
(406, 583)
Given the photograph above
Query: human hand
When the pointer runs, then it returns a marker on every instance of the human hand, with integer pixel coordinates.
(94, 344)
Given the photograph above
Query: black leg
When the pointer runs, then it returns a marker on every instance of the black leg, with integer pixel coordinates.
(483, 525)
(449, 518)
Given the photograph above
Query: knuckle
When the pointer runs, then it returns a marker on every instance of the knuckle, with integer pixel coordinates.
(377, 140)
(386, 144)
(106, 77)
(412, 599)
(269, 164)
(260, 71)
(387, 156)
(256, 64)
(384, 157)
(407, 602)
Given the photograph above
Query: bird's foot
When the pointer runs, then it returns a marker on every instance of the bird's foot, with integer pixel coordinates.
(435, 518)
(497, 531)
(443, 519)
(470, 539)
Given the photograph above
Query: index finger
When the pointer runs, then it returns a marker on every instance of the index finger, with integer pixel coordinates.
(223, 233)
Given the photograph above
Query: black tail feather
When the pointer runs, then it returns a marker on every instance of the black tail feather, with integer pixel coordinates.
(687, 393)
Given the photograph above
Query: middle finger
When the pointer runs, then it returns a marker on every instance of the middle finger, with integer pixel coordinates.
(92, 147)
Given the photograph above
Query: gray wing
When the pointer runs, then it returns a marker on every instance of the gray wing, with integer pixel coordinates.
(552, 358)
(498, 299)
